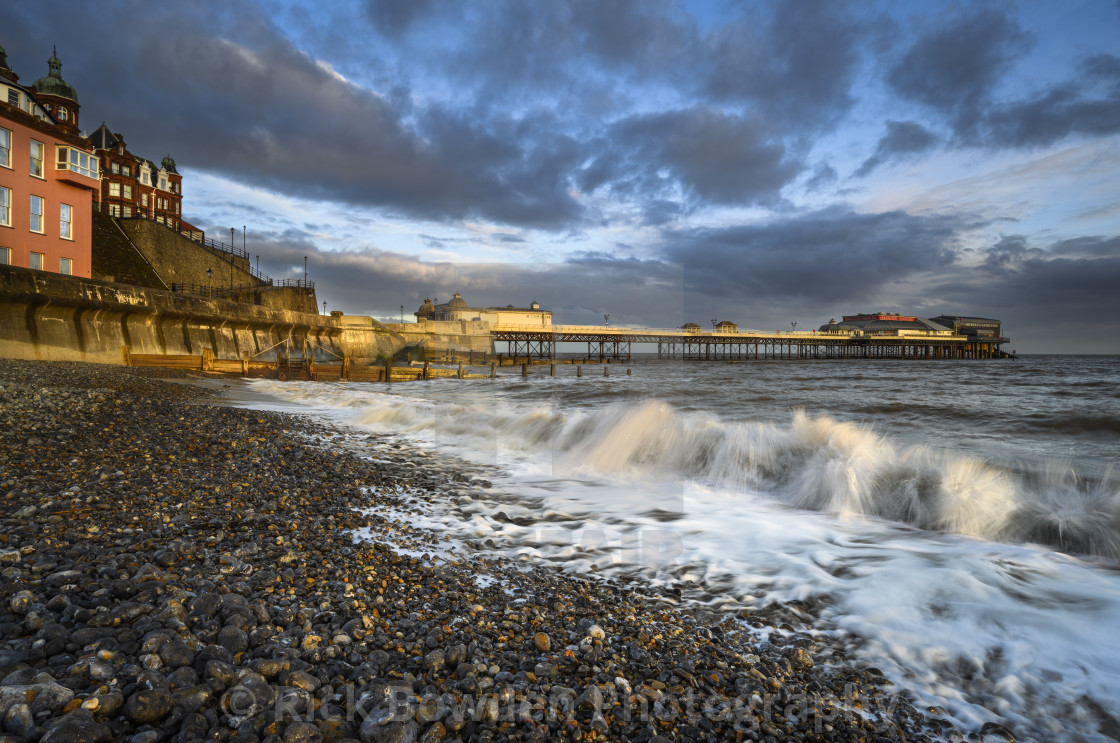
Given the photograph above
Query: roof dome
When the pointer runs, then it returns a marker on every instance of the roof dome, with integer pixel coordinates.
(426, 309)
(168, 164)
(457, 303)
(53, 84)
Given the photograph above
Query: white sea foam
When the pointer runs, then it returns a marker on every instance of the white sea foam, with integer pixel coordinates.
(923, 563)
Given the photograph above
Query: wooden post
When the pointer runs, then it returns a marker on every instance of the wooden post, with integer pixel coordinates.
(346, 368)
(388, 370)
(493, 365)
(425, 372)
(460, 376)
(127, 356)
(245, 364)
(524, 370)
(207, 359)
(628, 371)
(606, 371)
(579, 371)
(552, 370)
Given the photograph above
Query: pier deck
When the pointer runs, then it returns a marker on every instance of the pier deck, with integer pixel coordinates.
(674, 343)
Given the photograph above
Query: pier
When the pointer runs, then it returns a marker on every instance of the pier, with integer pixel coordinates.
(616, 343)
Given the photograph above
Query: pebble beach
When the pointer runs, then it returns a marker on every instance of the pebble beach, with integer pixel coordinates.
(177, 569)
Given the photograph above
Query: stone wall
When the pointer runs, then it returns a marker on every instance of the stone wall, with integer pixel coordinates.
(181, 261)
(49, 316)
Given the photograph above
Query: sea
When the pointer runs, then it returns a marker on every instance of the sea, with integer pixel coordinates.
(954, 524)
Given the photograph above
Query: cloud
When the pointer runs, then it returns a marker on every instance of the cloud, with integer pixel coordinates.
(712, 156)
(833, 255)
(795, 66)
(903, 139)
(953, 67)
(1088, 105)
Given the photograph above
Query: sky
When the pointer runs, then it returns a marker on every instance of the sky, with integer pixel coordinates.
(662, 162)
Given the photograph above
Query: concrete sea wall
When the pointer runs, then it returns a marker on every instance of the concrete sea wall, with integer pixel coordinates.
(48, 316)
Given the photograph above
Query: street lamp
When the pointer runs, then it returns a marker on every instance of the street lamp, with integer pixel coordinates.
(324, 306)
(258, 266)
(209, 282)
(794, 325)
(606, 319)
(402, 314)
(305, 270)
(715, 322)
(231, 231)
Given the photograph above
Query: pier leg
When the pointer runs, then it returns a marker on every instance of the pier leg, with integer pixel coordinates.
(606, 371)
(524, 370)
(579, 371)
(388, 370)
(460, 370)
(552, 370)
(425, 372)
(493, 365)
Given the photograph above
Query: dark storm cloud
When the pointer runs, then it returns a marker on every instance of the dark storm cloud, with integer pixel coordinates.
(796, 67)
(1089, 104)
(263, 112)
(1061, 298)
(954, 66)
(393, 17)
(832, 255)
(903, 139)
(713, 156)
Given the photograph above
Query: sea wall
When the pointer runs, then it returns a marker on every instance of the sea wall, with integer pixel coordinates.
(49, 316)
(457, 339)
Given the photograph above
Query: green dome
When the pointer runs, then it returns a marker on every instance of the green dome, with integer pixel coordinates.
(53, 84)
(169, 164)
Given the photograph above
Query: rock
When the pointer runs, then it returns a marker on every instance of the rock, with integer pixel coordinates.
(43, 696)
(148, 706)
(541, 642)
(302, 732)
(74, 729)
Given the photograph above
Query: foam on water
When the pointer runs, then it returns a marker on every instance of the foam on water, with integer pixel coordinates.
(985, 589)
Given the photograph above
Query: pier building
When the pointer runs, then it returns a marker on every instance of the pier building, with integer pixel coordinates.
(457, 309)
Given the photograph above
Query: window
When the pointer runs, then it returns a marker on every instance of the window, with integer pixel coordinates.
(77, 161)
(116, 167)
(144, 177)
(37, 261)
(127, 191)
(63, 114)
(143, 199)
(163, 183)
(65, 265)
(5, 148)
(114, 210)
(115, 189)
(5, 256)
(127, 212)
(126, 170)
(65, 222)
(5, 206)
(37, 149)
(37, 204)
(176, 207)
(13, 97)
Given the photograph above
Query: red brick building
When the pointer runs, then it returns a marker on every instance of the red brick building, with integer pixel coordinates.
(48, 174)
(133, 186)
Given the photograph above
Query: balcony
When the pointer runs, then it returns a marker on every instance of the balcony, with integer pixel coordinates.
(76, 167)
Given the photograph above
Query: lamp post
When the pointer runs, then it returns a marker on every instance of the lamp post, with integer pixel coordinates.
(258, 266)
(402, 314)
(794, 325)
(324, 306)
(243, 242)
(209, 282)
(606, 319)
(305, 270)
(231, 231)
(715, 322)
